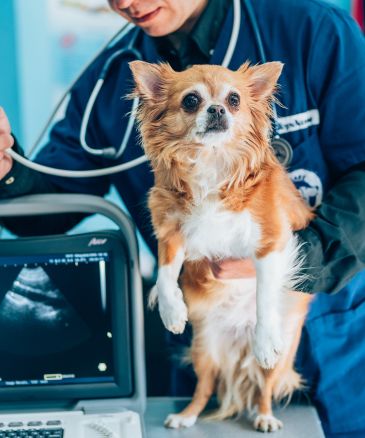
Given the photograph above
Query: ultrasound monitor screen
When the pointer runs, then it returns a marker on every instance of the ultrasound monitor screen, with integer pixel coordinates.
(55, 320)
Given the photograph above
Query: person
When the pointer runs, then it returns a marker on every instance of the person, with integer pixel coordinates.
(322, 90)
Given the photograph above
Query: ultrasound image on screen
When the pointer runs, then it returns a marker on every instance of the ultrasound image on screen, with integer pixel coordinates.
(55, 321)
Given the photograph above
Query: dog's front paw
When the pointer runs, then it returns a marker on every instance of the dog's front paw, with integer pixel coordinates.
(267, 423)
(267, 346)
(176, 421)
(173, 311)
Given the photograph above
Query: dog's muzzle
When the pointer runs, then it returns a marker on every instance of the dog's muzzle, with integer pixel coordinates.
(217, 119)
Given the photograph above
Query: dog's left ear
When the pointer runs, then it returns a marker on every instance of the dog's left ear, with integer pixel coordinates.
(149, 78)
(262, 78)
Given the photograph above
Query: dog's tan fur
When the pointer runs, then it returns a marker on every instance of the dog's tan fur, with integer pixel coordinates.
(251, 180)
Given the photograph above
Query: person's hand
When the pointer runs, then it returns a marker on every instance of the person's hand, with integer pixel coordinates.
(229, 269)
(6, 141)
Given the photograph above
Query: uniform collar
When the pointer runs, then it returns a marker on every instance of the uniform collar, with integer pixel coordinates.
(209, 28)
(246, 50)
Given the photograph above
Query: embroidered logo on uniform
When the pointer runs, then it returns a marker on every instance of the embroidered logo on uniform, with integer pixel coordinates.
(309, 185)
(298, 121)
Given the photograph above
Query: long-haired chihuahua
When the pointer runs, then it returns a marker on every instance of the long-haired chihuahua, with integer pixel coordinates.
(221, 193)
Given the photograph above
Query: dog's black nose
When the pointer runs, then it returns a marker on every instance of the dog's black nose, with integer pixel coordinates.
(217, 119)
(217, 110)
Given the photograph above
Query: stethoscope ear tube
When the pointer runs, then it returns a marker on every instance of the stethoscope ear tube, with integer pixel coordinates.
(282, 148)
(110, 152)
(234, 35)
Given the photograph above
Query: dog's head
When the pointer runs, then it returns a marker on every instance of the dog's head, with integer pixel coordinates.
(205, 107)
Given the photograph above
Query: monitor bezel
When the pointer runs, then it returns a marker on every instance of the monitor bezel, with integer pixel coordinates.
(119, 280)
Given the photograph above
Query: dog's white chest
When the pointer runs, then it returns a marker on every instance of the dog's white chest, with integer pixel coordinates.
(212, 231)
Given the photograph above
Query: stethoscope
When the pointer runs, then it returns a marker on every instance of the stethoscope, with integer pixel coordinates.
(281, 147)
(110, 152)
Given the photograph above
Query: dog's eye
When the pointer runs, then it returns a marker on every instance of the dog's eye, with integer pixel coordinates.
(234, 99)
(191, 102)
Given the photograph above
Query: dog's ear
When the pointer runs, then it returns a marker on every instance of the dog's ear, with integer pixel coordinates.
(262, 78)
(150, 79)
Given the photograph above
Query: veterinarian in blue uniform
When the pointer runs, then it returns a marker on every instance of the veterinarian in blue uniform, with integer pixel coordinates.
(322, 89)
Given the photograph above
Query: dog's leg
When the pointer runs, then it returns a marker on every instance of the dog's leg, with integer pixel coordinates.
(173, 310)
(206, 374)
(271, 274)
(283, 374)
(265, 421)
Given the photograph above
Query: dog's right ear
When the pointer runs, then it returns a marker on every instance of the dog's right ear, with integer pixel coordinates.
(262, 78)
(150, 79)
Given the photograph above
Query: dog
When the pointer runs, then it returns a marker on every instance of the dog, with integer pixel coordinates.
(221, 193)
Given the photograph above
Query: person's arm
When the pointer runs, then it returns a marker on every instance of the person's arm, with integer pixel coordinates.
(334, 242)
(6, 141)
(17, 180)
(63, 150)
(21, 181)
(332, 246)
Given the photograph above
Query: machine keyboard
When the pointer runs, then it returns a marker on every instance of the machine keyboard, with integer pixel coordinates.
(32, 433)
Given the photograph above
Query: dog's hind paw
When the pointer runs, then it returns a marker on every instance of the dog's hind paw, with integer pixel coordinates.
(267, 423)
(176, 421)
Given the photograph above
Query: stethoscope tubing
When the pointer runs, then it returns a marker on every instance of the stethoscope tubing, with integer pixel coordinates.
(77, 173)
(130, 50)
(262, 54)
(110, 152)
(280, 146)
(116, 37)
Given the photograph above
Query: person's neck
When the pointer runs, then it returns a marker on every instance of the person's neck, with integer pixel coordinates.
(176, 37)
(190, 22)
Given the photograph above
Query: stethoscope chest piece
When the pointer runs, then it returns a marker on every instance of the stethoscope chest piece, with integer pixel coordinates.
(283, 150)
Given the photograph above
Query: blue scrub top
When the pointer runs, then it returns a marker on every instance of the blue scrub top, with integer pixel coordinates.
(322, 89)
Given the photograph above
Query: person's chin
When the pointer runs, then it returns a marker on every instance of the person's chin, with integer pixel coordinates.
(156, 31)
(157, 27)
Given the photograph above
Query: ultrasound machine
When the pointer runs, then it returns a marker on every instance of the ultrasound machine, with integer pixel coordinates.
(71, 327)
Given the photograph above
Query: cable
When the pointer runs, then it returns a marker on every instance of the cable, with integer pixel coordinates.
(76, 173)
